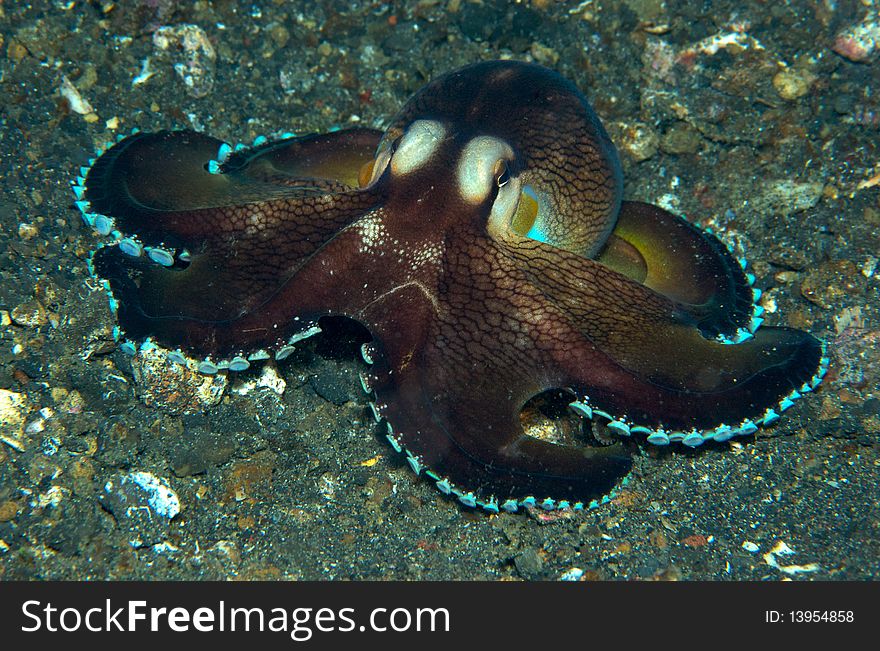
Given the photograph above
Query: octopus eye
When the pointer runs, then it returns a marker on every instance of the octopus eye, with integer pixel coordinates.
(373, 169)
(487, 176)
(502, 176)
(416, 146)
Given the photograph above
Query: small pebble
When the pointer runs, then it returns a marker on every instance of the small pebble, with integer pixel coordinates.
(574, 574)
(638, 140)
(30, 314)
(792, 84)
(528, 564)
(544, 55)
(8, 510)
(192, 56)
(681, 138)
(28, 231)
(142, 503)
(78, 104)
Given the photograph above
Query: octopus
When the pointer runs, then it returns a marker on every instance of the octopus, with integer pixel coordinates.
(483, 242)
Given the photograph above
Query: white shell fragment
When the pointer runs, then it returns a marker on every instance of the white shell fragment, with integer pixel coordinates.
(78, 103)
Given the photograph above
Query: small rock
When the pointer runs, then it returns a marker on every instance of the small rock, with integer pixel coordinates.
(9, 510)
(13, 409)
(192, 55)
(28, 231)
(529, 564)
(681, 138)
(16, 51)
(844, 104)
(279, 34)
(478, 21)
(269, 379)
(176, 388)
(292, 82)
(574, 574)
(696, 541)
(142, 503)
(792, 84)
(77, 103)
(857, 42)
(333, 386)
(30, 314)
(544, 55)
(786, 196)
(73, 402)
(637, 139)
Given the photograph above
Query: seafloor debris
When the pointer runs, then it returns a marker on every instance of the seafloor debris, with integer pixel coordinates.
(781, 549)
(787, 196)
(732, 36)
(858, 41)
(78, 103)
(141, 503)
(793, 83)
(177, 387)
(192, 55)
(636, 139)
(13, 409)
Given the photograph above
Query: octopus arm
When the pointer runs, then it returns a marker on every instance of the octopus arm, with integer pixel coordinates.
(639, 355)
(199, 255)
(689, 266)
(183, 188)
(454, 367)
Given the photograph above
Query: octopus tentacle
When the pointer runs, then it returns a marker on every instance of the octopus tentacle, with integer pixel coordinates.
(235, 295)
(454, 411)
(644, 355)
(675, 258)
(238, 254)
(338, 155)
(642, 361)
(516, 467)
(160, 187)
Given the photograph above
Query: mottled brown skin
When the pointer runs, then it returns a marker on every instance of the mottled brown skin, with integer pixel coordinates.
(620, 302)
(561, 148)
